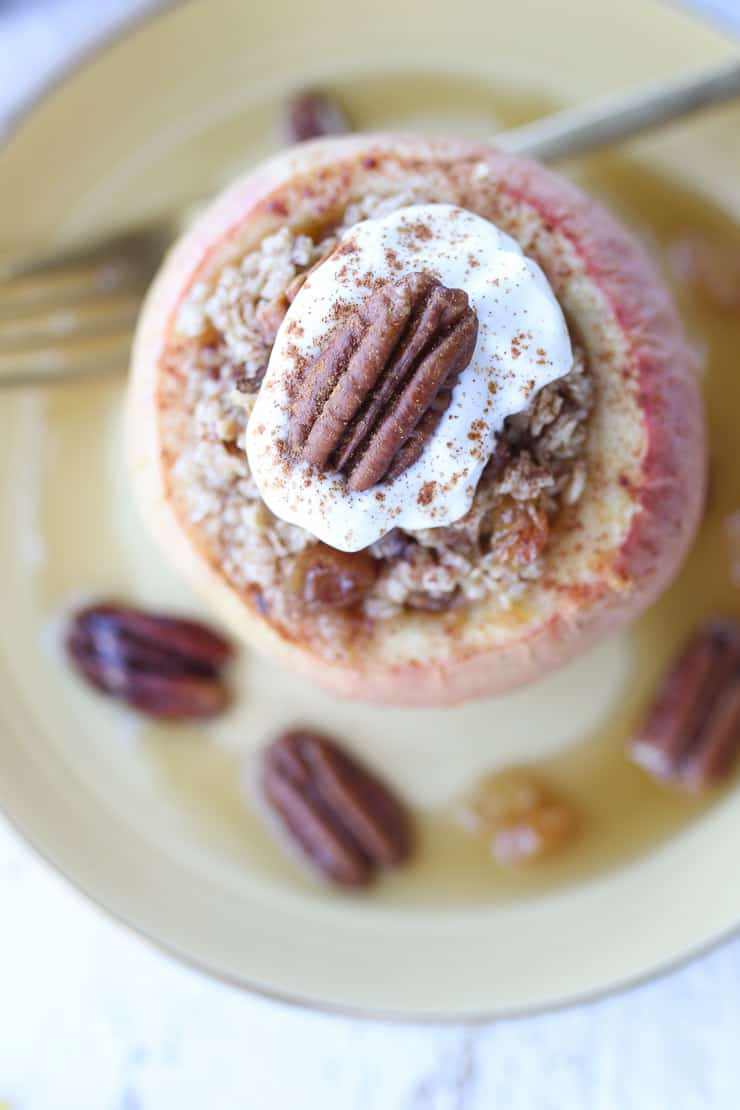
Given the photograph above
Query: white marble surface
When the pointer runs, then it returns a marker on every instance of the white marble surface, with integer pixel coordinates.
(92, 1019)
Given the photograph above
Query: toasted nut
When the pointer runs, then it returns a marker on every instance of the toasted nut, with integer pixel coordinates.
(310, 115)
(163, 666)
(345, 822)
(691, 734)
(373, 397)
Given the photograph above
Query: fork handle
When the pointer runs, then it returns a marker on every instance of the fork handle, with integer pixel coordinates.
(580, 130)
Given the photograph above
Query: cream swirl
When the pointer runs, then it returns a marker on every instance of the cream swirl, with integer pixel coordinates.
(522, 345)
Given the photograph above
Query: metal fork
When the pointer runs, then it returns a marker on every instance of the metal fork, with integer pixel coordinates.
(69, 315)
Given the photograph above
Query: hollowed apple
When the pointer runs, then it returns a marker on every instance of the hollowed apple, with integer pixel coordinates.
(607, 556)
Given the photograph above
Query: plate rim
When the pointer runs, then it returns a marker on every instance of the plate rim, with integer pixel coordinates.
(80, 57)
(368, 1013)
(75, 61)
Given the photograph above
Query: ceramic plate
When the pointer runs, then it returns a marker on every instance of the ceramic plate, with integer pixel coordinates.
(154, 823)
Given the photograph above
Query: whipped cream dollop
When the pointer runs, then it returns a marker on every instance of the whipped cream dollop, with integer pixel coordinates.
(522, 344)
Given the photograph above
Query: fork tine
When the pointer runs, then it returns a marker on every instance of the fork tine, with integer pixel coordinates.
(145, 245)
(98, 355)
(57, 289)
(97, 316)
(59, 279)
(71, 313)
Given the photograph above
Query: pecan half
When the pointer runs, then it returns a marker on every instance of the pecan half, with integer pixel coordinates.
(311, 114)
(345, 822)
(161, 665)
(372, 399)
(691, 735)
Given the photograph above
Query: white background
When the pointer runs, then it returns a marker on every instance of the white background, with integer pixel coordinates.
(92, 1019)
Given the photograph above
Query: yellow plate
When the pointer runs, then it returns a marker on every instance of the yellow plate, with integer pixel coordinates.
(156, 824)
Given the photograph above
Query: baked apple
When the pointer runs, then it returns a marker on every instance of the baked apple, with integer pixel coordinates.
(416, 416)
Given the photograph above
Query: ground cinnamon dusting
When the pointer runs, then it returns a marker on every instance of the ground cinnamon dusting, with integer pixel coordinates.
(214, 376)
(426, 493)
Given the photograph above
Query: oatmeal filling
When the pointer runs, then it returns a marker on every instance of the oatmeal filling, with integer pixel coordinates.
(225, 336)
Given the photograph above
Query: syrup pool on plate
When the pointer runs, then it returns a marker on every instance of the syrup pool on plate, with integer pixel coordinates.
(190, 783)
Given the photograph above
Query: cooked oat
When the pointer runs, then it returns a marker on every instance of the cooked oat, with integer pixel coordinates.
(495, 550)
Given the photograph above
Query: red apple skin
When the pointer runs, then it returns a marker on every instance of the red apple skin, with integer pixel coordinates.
(668, 497)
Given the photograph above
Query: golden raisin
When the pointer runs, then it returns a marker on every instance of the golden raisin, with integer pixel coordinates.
(520, 532)
(502, 796)
(522, 818)
(534, 835)
(324, 578)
